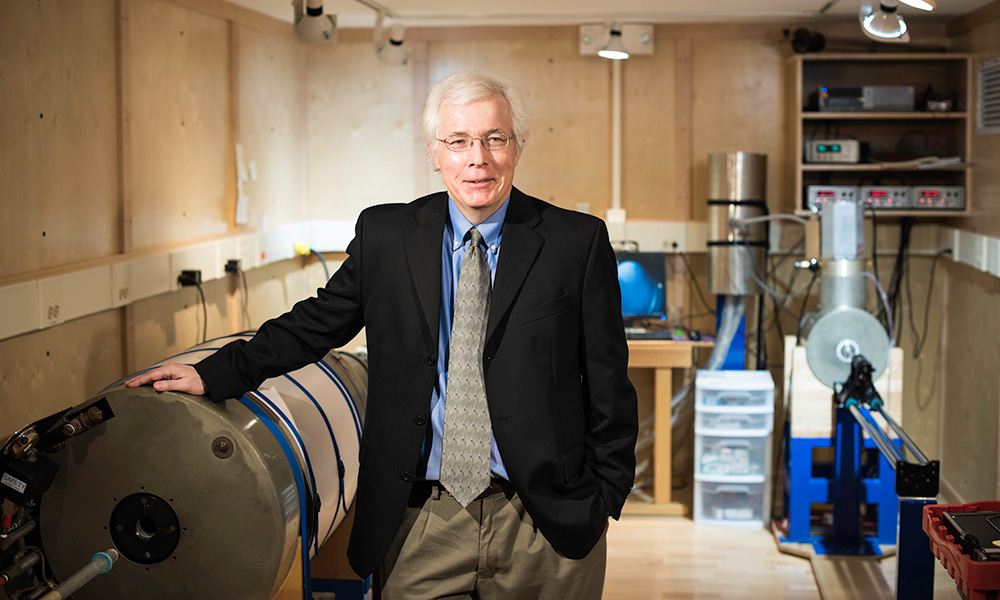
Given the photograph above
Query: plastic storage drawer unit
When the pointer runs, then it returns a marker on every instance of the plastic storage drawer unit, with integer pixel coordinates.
(733, 420)
(733, 502)
(734, 388)
(748, 454)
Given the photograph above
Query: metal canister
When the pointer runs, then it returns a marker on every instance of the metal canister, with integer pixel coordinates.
(737, 185)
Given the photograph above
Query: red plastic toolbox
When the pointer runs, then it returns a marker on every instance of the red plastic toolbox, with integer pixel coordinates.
(977, 580)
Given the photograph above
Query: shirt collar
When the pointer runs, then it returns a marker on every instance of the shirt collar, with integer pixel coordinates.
(490, 228)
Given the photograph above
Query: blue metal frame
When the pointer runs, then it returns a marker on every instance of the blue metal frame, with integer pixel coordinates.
(915, 560)
(803, 490)
(346, 589)
(914, 557)
(736, 357)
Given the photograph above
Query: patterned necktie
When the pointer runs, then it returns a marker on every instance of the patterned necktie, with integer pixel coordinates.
(465, 448)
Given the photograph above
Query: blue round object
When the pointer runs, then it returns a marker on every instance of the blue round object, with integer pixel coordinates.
(640, 294)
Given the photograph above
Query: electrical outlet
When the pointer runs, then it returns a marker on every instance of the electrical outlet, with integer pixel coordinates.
(947, 240)
(192, 277)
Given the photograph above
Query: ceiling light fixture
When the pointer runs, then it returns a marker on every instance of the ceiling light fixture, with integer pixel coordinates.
(884, 25)
(615, 49)
(311, 25)
(392, 51)
(927, 5)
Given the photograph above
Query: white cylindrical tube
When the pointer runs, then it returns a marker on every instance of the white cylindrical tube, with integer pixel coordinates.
(99, 564)
(616, 134)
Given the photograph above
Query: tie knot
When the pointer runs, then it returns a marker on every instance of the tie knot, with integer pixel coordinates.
(475, 237)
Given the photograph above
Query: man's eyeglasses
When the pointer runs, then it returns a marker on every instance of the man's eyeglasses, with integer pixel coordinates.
(462, 143)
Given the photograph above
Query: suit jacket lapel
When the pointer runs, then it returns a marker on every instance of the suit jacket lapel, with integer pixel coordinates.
(423, 258)
(520, 246)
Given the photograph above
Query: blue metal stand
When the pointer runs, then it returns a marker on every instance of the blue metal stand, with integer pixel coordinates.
(736, 357)
(346, 589)
(916, 484)
(914, 558)
(813, 483)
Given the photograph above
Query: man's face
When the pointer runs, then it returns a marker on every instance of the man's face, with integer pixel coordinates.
(478, 180)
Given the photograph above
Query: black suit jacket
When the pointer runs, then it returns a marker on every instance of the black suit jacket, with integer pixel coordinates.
(555, 361)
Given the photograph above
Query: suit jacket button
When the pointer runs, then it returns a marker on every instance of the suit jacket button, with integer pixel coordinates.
(406, 476)
(431, 361)
(420, 421)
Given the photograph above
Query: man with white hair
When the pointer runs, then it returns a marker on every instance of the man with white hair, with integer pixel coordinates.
(499, 484)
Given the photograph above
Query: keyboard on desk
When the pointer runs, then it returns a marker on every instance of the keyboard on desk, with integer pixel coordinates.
(642, 333)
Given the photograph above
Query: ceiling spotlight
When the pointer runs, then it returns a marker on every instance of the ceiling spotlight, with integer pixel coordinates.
(884, 25)
(311, 25)
(615, 49)
(392, 51)
(927, 5)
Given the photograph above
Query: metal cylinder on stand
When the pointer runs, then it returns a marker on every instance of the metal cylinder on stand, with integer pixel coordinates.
(737, 185)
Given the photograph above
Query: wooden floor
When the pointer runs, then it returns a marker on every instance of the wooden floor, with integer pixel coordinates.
(652, 557)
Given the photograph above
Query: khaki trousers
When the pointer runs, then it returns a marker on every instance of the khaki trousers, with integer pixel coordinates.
(489, 550)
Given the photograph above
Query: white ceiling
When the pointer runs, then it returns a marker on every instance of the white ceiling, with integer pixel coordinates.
(354, 14)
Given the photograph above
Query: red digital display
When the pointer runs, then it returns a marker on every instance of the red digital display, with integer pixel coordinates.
(878, 193)
(824, 193)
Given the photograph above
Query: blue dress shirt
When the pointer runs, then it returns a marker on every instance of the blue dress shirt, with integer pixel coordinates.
(453, 248)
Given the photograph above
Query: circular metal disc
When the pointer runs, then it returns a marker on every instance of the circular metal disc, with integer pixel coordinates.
(236, 516)
(836, 336)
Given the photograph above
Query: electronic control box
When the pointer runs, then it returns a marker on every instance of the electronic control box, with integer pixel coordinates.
(833, 151)
(819, 195)
(869, 98)
(938, 197)
(886, 197)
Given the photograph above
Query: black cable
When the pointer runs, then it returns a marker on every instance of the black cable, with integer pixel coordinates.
(909, 302)
(875, 246)
(697, 286)
(679, 321)
(246, 298)
(204, 315)
(892, 295)
(761, 343)
(326, 270)
(779, 304)
(927, 306)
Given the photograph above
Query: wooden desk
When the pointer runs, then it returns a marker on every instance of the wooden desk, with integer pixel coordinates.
(663, 356)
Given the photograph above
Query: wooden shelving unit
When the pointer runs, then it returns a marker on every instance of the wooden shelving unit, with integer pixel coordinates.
(890, 136)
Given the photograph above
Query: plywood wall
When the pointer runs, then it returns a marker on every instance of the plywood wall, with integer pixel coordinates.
(738, 105)
(57, 368)
(180, 123)
(270, 101)
(361, 130)
(120, 123)
(656, 122)
(970, 425)
(59, 132)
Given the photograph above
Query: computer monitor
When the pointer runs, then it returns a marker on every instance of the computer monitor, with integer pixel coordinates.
(642, 277)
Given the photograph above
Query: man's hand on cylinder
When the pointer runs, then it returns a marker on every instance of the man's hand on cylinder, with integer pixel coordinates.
(171, 377)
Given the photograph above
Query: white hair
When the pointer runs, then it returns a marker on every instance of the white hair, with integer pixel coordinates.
(466, 87)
